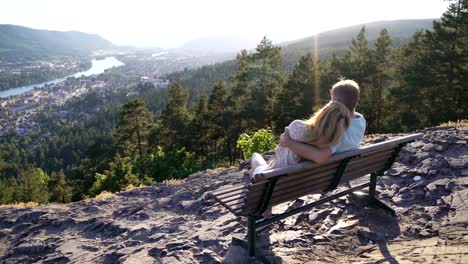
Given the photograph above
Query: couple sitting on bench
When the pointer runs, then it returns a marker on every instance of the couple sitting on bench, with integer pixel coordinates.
(334, 128)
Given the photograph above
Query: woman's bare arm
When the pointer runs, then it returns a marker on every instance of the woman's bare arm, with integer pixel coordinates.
(304, 150)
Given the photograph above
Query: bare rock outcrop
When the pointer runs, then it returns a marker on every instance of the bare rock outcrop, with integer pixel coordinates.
(174, 223)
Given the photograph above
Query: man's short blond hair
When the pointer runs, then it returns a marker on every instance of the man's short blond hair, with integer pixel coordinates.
(346, 92)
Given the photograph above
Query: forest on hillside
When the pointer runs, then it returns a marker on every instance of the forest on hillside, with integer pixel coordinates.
(170, 133)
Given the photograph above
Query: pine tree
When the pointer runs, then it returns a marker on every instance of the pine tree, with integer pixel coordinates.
(32, 185)
(174, 119)
(117, 177)
(257, 82)
(448, 43)
(360, 58)
(218, 122)
(60, 191)
(382, 53)
(433, 70)
(412, 98)
(361, 67)
(200, 126)
(133, 128)
(299, 96)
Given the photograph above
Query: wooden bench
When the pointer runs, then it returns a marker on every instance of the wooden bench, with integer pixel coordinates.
(277, 186)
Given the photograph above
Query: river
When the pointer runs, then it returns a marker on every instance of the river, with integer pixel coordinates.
(98, 67)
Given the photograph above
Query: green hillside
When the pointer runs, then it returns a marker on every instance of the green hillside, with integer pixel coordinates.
(19, 43)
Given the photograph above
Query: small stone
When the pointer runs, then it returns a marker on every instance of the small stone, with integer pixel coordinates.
(314, 217)
(417, 178)
(404, 189)
(319, 238)
(449, 186)
(424, 234)
(366, 235)
(433, 210)
(428, 196)
(157, 252)
(336, 212)
(457, 163)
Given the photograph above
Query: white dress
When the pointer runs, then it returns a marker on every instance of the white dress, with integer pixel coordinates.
(298, 131)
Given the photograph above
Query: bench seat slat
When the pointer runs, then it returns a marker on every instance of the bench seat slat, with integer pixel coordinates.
(228, 189)
(234, 204)
(230, 194)
(238, 207)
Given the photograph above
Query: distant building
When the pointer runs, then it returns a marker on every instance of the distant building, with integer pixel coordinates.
(132, 94)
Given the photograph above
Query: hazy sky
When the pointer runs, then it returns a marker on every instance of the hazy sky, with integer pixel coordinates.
(171, 23)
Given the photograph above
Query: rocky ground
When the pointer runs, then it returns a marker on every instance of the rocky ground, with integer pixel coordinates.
(174, 223)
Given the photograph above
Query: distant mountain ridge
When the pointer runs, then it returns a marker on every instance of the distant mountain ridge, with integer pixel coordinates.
(18, 43)
(338, 40)
(217, 44)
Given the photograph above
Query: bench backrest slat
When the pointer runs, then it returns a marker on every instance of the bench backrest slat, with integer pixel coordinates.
(366, 149)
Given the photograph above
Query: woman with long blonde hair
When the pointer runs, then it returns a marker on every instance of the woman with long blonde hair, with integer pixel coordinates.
(325, 128)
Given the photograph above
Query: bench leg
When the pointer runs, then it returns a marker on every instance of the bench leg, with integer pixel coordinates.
(373, 185)
(371, 199)
(251, 236)
(372, 202)
(248, 245)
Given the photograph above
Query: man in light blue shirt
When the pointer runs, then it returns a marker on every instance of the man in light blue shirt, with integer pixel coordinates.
(347, 93)
(353, 135)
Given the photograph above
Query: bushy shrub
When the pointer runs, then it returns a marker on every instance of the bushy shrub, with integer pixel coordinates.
(168, 164)
(118, 176)
(261, 141)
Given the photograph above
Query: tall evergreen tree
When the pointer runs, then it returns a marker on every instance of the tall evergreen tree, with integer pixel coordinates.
(412, 96)
(133, 128)
(258, 79)
(448, 43)
(60, 191)
(200, 126)
(174, 119)
(360, 62)
(297, 99)
(381, 79)
(217, 118)
(32, 185)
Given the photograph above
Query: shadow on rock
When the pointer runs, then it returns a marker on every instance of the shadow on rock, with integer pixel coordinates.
(238, 253)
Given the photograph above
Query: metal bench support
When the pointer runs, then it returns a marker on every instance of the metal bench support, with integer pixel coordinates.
(370, 198)
(251, 236)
